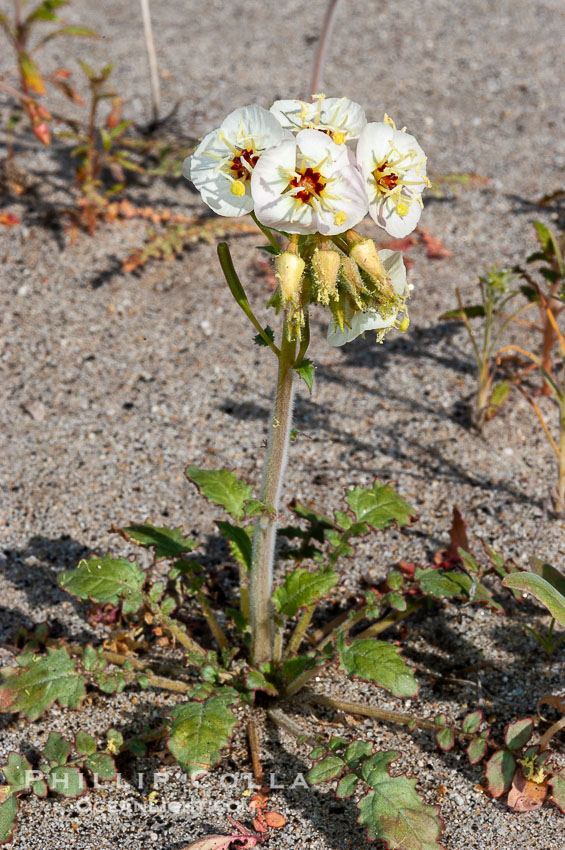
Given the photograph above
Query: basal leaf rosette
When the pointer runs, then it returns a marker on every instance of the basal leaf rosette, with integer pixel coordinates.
(394, 169)
(308, 184)
(222, 164)
(342, 119)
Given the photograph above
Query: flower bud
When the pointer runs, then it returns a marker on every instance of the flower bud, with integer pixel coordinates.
(353, 282)
(325, 265)
(289, 268)
(365, 255)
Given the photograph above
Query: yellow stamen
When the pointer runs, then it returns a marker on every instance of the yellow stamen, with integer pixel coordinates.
(339, 138)
(340, 218)
(237, 188)
(402, 208)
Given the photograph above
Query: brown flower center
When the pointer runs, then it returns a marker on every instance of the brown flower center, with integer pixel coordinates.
(311, 184)
(237, 167)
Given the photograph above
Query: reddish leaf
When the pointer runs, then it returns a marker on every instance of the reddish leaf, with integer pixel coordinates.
(525, 795)
(9, 220)
(43, 134)
(435, 249)
(275, 820)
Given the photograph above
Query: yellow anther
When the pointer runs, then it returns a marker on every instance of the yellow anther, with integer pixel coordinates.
(404, 324)
(389, 121)
(340, 218)
(402, 208)
(237, 188)
(339, 138)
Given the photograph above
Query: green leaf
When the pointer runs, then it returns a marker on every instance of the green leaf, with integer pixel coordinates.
(545, 238)
(357, 752)
(380, 506)
(39, 788)
(239, 540)
(302, 588)
(8, 812)
(445, 739)
(33, 689)
(256, 681)
(56, 750)
(325, 770)
(470, 312)
(543, 591)
(555, 578)
(453, 585)
(254, 507)
(472, 721)
(500, 770)
(221, 487)
(518, 733)
(393, 812)
(93, 659)
(44, 11)
(199, 731)
(102, 765)
(498, 396)
(556, 783)
(268, 331)
(67, 781)
(294, 667)
(346, 786)
(106, 580)
(85, 744)
(306, 371)
(17, 772)
(166, 542)
(476, 750)
(377, 661)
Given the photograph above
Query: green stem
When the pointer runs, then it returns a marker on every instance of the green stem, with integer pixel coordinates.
(299, 631)
(261, 584)
(210, 618)
(268, 233)
(391, 620)
(177, 631)
(238, 293)
(305, 339)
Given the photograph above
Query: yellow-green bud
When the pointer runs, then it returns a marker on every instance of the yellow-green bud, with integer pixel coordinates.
(365, 255)
(325, 263)
(353, 281)
(289, 270)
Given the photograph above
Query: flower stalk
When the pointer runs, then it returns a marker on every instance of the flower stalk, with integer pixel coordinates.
(264, 537)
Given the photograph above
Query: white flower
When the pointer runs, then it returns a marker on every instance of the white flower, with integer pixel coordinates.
(370, 320)
(222, 164)
(341, 118)
(308, 184)
(394, 167)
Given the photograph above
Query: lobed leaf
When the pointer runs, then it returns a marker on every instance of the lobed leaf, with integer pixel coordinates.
(47, 679)
(200, 729)
(239, 541)
(325, 770)
(393, 812)
(302, 588)
(106, 580)
(306, 371)
(377, 661)
(380, 506)
(221, 487)
(166, 542)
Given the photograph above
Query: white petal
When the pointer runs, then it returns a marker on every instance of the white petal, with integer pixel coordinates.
(384, 214)
(373, 146)
(340, 113)
(288, 113)
(252, 124)
(360, 323)
(393, 262)
(186, 167)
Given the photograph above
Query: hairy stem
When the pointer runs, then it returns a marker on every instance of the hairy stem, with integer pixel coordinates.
(283, 722)
(141, 666)
(210, 618)
(261, 584)
(299, 631)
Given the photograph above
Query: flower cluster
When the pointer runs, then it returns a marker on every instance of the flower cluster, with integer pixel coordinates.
(316, 170)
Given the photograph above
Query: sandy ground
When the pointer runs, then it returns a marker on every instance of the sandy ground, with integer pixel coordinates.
(139, 375)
